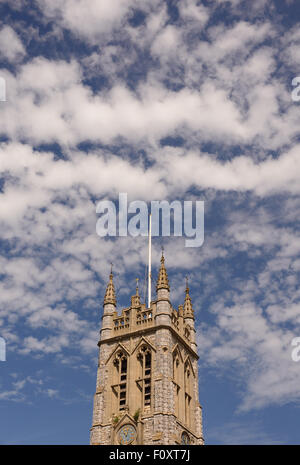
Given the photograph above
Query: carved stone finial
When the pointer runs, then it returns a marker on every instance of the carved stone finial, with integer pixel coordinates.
(162, 280)
(110, 295)
(188, 311)
(135, 299)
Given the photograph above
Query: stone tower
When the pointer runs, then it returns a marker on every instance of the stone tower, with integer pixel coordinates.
(147, 380)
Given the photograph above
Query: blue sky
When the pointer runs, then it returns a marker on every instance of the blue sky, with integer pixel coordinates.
(161, 100)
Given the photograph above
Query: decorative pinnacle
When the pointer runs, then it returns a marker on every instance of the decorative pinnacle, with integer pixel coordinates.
(110, 295)
(162, 280)
(135, 299)
(188, 311)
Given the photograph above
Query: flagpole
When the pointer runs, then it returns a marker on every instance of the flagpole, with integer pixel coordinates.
(149, 263)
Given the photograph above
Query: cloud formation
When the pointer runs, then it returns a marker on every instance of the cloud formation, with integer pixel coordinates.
(160, 104)
(11, 47)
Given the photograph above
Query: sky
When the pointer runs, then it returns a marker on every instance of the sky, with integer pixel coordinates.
(162, 100)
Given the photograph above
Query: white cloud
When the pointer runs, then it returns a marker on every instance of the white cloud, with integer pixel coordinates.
(166, 42)
(89, 19)
(239, 174)
(11, 47)
(192, 10)
(225, 91)
(49, 345)
(240, 105)
(258, 353)
(17, 392)
(239, 432)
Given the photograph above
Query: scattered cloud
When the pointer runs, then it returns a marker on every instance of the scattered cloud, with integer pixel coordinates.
(159, 104)
(11, 46)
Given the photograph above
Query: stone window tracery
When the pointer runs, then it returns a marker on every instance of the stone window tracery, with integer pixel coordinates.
(121, 366)
(145, 358)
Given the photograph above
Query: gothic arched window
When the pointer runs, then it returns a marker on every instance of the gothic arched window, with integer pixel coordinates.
(145, 358)
(187, 333)
(187, 390)
(121, 366)
(176, 379)
(185, 439)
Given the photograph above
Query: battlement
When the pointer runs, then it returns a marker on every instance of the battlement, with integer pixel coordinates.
(134, 318)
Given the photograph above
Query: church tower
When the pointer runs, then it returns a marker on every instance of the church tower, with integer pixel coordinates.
(147, 380)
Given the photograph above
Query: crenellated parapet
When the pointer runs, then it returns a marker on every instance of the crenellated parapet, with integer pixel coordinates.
(138, 316)
(133, 318)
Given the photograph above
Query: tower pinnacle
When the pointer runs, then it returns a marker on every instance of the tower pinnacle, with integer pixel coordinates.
(135, 299)
(188, 311)
(110, 295)
(162, 280)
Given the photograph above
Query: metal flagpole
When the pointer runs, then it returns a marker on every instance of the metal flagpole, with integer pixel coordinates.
(149, 264)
